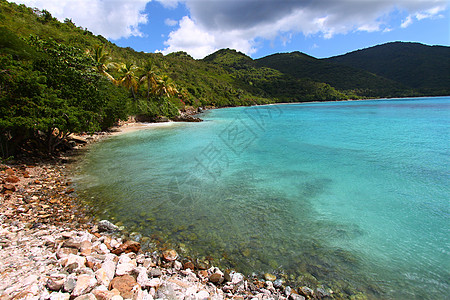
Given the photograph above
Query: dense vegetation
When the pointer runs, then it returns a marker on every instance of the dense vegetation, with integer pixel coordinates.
(57, 79)
(348, 79)
(423, 68)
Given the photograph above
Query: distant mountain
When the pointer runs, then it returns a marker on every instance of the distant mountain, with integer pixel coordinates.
(271, 82)
(424, 68)
(342, 77)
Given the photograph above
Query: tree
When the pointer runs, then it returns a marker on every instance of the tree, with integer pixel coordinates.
(101, 57)
(149, 78)
(166, 87)
(129, 79)
(55, 94)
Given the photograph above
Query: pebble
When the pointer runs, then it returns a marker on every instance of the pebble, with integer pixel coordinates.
(46, 253)
(270, 277)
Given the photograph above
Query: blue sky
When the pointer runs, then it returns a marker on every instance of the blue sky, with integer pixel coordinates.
(321, 28)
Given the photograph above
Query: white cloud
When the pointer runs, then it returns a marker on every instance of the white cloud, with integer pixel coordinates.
(408, 21)
(170, 22)
(238, 24)
(111, 18)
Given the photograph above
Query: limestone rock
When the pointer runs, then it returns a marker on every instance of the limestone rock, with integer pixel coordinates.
(64, 252)
(55, 284)
(110, 268)
(89, 296)
(104, 294)
(294, 296)
(125, 268)
(125, 285)
(73, 259)
(102, 277)
(85, 248)
(155, 272)
(59, 296)
(85, 283)
(70, 283)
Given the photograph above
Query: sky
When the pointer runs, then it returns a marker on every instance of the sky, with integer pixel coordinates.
(320, 28)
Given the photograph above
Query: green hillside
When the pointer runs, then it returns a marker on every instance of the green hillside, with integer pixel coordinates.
(270, 82)
(424, 68)
(341, 77)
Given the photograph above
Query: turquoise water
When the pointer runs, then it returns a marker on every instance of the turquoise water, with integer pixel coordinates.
(354, 195)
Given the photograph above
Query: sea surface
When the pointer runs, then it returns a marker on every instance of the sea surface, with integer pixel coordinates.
(353, 195)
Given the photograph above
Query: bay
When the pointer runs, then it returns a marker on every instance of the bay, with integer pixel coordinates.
(353, 195)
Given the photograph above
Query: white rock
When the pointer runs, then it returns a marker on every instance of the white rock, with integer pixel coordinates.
(102, 277)
(177, 265)
(110, 268)
(103, 249)
(142, 278)
(123, 259)
(59, 296)
(236, 278)
(154, 282)
(202, 295)
(89, 296)
(72, 258)
(85, 283)
(126, 268)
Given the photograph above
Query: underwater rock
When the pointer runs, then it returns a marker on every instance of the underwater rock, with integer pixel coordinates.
(107, 226)
(170, 255)
(216, 278)
(270, 277)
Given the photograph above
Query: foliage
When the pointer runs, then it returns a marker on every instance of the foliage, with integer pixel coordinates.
(45, 99)
(417, 66)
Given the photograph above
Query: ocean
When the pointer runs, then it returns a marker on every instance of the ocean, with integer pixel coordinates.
(351, 195)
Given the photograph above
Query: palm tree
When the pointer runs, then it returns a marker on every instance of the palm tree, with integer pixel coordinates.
(166, 87)
(129, 79)
(150, 78)
(101, 58)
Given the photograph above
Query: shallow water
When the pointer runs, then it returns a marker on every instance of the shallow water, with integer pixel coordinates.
(353, 194)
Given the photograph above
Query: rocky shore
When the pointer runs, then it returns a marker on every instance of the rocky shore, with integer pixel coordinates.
(51, 249)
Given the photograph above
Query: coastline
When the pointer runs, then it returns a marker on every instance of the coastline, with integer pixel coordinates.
(51, 247)
(135, 126)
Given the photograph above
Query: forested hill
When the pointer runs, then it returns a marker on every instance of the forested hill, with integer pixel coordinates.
(342, 77)
(424, 68)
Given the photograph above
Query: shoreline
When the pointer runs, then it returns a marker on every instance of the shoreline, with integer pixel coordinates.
(43, 226)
